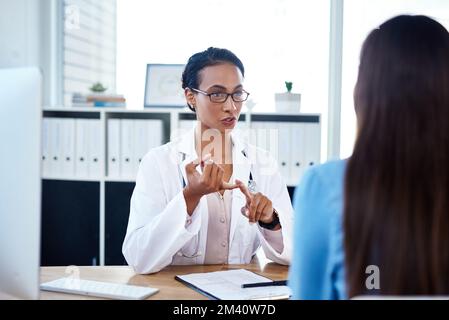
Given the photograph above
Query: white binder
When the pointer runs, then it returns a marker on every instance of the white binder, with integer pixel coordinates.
(257, 135)
(265, 135)
(68, 147)
(313, 147)
(242, 131)
(127, 150)
(284, 158)
(187, 124)
(241, 125)
(297, 152)
(272, 138)
(114, 148)
(184, 126)
(141, 137)
(55, 147)
(46, 160)
(81, 150)
(155, 132)
(95, 158)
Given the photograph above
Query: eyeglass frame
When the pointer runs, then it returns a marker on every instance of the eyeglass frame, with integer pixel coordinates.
(227, 95)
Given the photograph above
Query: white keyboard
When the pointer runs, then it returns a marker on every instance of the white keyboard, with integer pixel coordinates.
(99, 289)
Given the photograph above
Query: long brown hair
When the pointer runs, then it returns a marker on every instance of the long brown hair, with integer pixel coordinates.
(396, 211)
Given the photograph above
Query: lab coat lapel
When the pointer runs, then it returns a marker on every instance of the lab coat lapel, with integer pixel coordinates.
(187, 154)
(241, 170)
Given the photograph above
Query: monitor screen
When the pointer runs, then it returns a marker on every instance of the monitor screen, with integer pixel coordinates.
(163, 86)
(20, 184)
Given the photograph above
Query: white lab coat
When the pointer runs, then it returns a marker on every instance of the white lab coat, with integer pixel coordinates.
(158, 234)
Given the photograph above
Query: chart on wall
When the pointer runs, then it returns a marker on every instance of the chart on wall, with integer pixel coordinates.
(163, 86)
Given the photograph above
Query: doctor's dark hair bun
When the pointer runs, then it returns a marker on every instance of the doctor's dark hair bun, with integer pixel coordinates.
(210, 57)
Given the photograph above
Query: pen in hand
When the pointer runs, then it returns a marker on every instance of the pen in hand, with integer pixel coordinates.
(265, 284)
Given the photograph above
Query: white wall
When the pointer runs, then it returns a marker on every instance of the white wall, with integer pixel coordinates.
(19, 33)
(28, 38)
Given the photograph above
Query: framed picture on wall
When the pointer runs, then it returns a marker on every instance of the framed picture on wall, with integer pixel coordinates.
(163, 86)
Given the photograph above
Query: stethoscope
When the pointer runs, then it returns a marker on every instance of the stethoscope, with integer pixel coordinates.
(252, 187)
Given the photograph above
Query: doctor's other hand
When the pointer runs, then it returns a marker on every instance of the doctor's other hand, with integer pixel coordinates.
(201, 184)
(258, 207)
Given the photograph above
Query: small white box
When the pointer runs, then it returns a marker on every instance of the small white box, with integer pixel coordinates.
(288, 102)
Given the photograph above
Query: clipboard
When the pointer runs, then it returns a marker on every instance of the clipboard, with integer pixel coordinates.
(197, 289)
(226, 285)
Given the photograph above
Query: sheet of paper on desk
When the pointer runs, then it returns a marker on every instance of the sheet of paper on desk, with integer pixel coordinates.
(227, 285)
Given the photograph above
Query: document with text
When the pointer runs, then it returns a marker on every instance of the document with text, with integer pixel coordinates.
(227, 285)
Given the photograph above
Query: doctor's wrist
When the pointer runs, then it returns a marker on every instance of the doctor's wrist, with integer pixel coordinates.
(274, 224)
(192, 200)
(191, 194)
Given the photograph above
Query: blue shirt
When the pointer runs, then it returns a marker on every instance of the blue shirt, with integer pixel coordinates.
(317, 268)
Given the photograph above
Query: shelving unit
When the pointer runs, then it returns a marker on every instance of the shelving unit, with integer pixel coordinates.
(102, 203)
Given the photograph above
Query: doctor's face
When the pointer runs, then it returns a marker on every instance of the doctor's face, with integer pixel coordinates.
(214, 83)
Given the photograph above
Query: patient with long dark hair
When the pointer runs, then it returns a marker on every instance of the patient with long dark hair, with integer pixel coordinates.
(378, 223)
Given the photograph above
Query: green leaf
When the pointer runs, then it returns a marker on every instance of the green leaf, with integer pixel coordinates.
(98, 87)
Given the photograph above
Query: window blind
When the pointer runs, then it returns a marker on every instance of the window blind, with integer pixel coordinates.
(89, 46)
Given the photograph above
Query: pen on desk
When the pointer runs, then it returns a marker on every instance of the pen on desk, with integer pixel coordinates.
(265, 284)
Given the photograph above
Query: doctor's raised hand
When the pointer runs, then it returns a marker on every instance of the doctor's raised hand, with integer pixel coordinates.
(201, 184)
(259, 208)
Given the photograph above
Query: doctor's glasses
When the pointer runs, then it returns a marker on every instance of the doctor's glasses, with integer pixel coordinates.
(221, 97)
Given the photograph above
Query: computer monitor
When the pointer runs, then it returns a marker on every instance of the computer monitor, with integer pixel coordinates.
(20, 184)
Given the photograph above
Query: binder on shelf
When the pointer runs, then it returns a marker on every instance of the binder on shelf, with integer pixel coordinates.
(241, 125)
(187, 124)
(285, 147)
(272, 139)
(257, 134)
(242, 131)
(81, 150)
(147, 135)
(155, 131)
(141, 140)
(68, 147)
(127, 149)
(297, 152)
(313, 147)
(95, 158)
(46, 161)
(113, 148)
(74, 147)
(184, 126)
(264, 135)
(55, 147)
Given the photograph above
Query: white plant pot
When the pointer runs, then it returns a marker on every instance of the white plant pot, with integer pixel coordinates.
(287, 102)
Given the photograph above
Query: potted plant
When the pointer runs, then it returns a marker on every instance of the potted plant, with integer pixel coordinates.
(288, 101)
(98, 88)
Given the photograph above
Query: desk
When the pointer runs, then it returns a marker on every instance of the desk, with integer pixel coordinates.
(169, 288)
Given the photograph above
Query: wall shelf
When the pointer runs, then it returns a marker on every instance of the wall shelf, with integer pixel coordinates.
(108, 196)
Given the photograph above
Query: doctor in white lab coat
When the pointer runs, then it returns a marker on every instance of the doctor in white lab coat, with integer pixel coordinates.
(191, 203)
